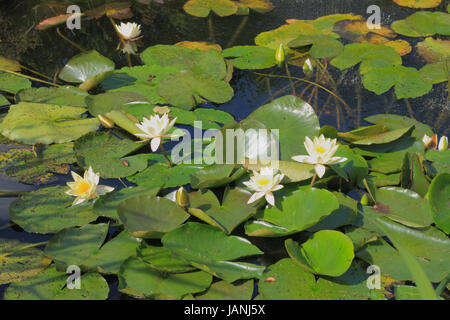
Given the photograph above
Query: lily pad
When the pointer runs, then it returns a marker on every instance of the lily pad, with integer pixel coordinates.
(357, 30)
(85, 66)
(434, 50)
(111, 255)
(321, 46)
(118, 100)
(202, 8)
(328, 252)
(222, 290)
(18, 263)
(251, 57)
(33, 123)
(49, 210)
(106, 205)
(294, 118)
(107, 154)
(439, 200)
(384, 137)
(208, 248)
(419, 4)
(51, 285)
(4, 101)
(9, 65)
(434, 72)
(138, 279)
(354, 169)
(293, 171)
(394, 122)
(162, 259)
(215, 176)
(62, 96)
(301, 209)
(404, 206)
(142, 216)
(74, 245)
(227, 215)
(13, 84)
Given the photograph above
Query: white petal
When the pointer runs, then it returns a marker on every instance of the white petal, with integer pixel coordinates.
(336, 160)
(255, 196)
(303, 159)
(78, 201)
(76, 176)
(101, 189)
(270, 198)
(320, 170)
(277, 187)
(155, 143)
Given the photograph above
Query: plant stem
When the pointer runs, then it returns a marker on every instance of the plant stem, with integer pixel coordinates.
(165, 155)
(238, 31)
(33, 245)
(313, 180)
(69, 41)
(212, 37)
(129, 60)
(290, 78)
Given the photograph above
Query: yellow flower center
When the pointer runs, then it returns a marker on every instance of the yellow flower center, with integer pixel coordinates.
(263, 181)
(82, 188)
(320, 149)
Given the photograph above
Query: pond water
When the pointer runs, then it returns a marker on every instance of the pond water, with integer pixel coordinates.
(168, 24)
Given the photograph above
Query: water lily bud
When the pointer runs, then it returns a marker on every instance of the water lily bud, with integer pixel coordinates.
(182, 197)
(106, 122)
(280, 55)
(308, 67)
(443, 143)
(364, 200)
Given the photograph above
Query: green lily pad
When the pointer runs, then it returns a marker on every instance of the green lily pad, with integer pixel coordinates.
(434, 50)
(293, 283)
(293, 171)
(394, 122)
(426, 22)
(162, 259)
(251, 57)
(260, 228)
(9, 65)
(138, 279)
(215, 176)
(107, 154)
(4, 101)
(294, 118)
(439, 200)
(328, 252)
(222, 290)
(73, 246)
(413, 174)
(142, 216)
(106, 205)
(208, 248)
(441, 161)
(227, 215)
(13, 84)
(419, 4)
(62, 96)
(202, 8)
(51, 285)
(106, 102)
(20, 264)
(85, 66)
(354, 169)
(404, 206)
(435, 73)
(33, 123)
(383, 180)
(384, 137)
(321, 46)
(23, 164)
(49, 210)
(111, 255)
(302, 209)
(386, 163)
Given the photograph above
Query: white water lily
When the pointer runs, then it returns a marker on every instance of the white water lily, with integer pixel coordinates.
(156, 128)
(129, 47)
(129, 31)
(443, 143)
(427, 140)
(264, 183)
(321, 152)
(86, 188)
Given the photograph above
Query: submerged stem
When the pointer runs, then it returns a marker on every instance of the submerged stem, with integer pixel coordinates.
(290, 78)
(69, 41)
(32, 78)
(238, 31)
(165, 155)
(212, 37)
(33, 245)
(313, 179)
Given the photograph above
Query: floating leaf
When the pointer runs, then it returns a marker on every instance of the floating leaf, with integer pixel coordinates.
(9, 65)
(434, 73)
(328, 252)
(62, 96)
(142, 216)
(301, 209)
(201, 45)
(105, 102)
(292, 170)
(111, 255)
(55, 21)
(228, 214)
(18, 263)
(51, 285)
(107, 154)
(358, 30)
(13, 84)
(222, 290)
(138, 279)
(439, 199)
(321, 46)
(384, 137)
(354, 169)
(434, 50)
(116, 10)
(251, 57)
(419, 4)
(202, 8)
(394, 122)
(33, 123)
(423, 23)
(162, 259)
(4, 101)
(49, 210)
(73, 246)
(208, 248)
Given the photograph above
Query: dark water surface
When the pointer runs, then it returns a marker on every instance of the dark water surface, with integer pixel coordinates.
(46, 52)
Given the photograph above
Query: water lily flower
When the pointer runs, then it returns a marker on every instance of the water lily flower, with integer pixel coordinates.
(129, 31)
(427, 140)
(264, 183)
(156, 128)
(128, 47)
(321, 152)
(86, 188)
(443, 143)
